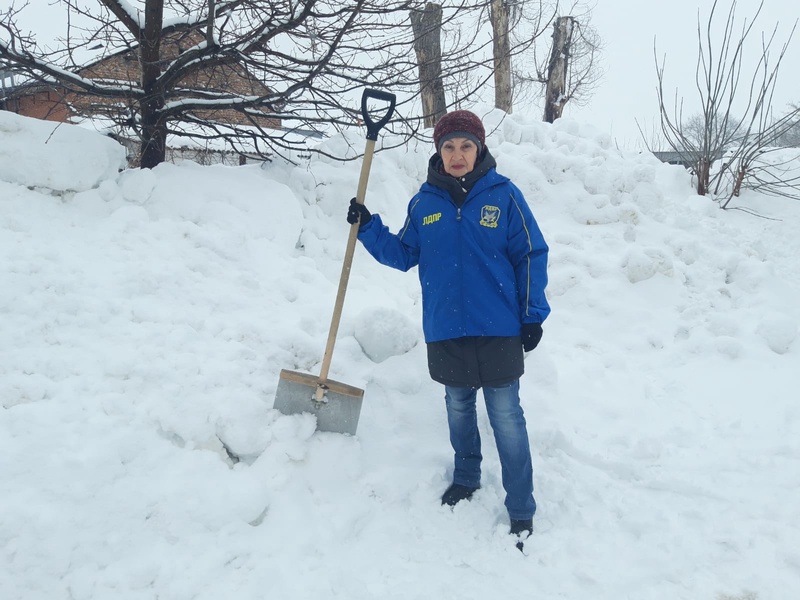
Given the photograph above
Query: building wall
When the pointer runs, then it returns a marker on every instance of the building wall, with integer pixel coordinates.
(45, 104)
(124, 67)
(224, 78)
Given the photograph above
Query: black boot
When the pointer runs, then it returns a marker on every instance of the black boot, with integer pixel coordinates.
(456, 493)
(522, 528)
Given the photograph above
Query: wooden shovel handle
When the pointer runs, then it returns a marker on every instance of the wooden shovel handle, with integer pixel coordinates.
(373, 128)
(346, 265)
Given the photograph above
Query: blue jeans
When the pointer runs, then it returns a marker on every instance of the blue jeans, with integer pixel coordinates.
(511, 437)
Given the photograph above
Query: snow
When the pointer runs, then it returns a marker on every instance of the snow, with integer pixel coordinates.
(38, 154)
(146, 316)
(135, 14)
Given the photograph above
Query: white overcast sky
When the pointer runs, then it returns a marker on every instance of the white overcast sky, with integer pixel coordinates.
(628, 29)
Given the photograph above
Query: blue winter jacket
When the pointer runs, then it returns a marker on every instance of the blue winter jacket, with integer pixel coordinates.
(482, 266)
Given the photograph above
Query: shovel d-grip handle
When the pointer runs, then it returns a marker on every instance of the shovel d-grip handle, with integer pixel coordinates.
(373, 128)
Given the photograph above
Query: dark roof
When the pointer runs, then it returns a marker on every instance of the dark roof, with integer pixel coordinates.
(671, 156)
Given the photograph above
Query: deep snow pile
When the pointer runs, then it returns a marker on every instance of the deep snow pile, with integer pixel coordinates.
(146, 316)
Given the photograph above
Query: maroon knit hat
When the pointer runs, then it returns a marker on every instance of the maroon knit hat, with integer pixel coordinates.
(459, 123)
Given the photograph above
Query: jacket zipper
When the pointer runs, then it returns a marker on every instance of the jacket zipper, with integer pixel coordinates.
(461, 263)
(466, 193)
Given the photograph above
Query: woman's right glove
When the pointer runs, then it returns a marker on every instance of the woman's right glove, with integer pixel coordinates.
(358, 213)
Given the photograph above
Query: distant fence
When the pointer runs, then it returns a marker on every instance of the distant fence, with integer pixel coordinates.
(202, 156)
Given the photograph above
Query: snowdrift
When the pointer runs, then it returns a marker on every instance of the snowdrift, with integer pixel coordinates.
(147, 314)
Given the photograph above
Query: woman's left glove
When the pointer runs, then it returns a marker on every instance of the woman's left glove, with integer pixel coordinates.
(531, 335)
(358, 213)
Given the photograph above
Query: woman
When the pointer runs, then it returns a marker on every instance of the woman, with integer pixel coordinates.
(483, 269)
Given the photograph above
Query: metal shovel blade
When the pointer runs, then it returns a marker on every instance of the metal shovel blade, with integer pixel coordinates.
(339, 412)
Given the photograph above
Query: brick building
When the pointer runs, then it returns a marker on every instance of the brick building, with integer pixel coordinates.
(52, 102)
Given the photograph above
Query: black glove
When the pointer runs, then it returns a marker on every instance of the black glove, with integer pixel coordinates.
(358, 213)
(531, 335)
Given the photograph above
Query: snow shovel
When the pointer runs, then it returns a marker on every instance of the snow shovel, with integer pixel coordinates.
(336, 405)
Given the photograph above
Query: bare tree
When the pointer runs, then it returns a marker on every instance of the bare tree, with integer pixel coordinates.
(718, 77)
(505, 58)
(569, 70)
(427, 25)
(651, 137)
(310, 60)
(307, 62)
(751, 159)
(694, 127)
(501, 52)
(555, 95)
(468, 53)
(773, 172)
(511, 60)
(517, 29)
(475, 59)
(757, 162)
(791, 137)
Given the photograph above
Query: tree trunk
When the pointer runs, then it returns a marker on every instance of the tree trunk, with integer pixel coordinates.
(501, 48)
(737, 185)
(703, 175)
(154, 127)
(427, 26)
(556, 92)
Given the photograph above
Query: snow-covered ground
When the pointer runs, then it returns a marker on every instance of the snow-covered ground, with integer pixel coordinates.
(145, 317)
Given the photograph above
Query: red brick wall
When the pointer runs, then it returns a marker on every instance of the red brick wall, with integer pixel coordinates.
(125, 67)
(47, 105)
(224, 78)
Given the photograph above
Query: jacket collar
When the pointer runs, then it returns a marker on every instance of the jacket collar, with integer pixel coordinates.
(459, 187)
